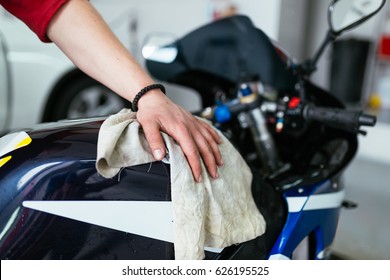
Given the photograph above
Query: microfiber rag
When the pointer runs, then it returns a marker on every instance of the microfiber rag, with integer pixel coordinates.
(213, 213)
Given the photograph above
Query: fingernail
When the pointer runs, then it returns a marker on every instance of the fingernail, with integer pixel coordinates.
(220, 163)
(158, 154)
(216, 175)
(199, 179)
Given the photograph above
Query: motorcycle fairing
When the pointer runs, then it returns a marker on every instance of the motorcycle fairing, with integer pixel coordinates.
(220, 53)
(307, 207)
(118, 215)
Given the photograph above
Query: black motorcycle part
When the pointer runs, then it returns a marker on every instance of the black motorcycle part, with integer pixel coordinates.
(222, 53)
(349, 120)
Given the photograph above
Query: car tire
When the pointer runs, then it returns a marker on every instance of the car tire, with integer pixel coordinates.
(84, 97)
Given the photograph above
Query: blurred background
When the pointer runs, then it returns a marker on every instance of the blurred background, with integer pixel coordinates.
(39, 84)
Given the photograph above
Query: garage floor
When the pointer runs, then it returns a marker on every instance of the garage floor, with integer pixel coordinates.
(364, 232)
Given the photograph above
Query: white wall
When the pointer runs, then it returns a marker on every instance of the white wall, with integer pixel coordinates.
(293, 27)
(264, 13)
(179, 17)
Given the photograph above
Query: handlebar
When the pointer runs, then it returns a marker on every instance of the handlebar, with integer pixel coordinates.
(349, 120)
(252, 111)
(340, 118)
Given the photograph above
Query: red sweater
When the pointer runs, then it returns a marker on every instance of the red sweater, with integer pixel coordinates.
(36, 14)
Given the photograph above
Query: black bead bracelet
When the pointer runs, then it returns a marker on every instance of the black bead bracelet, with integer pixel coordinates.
(137, 97)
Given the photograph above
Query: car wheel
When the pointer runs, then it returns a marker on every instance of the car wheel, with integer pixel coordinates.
(84, 98)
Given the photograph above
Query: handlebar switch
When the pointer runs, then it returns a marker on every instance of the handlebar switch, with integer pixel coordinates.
(291, 109)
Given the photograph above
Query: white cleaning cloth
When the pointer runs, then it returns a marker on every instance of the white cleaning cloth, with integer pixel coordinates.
(214, 213)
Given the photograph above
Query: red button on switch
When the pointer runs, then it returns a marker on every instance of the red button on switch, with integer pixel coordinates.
(294, 102)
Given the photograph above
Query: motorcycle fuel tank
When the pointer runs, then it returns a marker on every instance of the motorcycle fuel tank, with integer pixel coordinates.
(55, 205)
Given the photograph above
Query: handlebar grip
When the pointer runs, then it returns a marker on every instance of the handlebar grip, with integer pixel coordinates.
(367, 120)
(344, 119)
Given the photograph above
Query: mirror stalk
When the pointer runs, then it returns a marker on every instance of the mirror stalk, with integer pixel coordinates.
(311, 65)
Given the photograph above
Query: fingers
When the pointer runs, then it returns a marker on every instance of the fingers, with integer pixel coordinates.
(213, 139)
(197, 139)
(212, 131)
(199, 142)
(191, 152)
(155, 140)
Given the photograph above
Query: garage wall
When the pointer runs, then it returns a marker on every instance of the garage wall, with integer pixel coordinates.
(181, 16)
(293, 27)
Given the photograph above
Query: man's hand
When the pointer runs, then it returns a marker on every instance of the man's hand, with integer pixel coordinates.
(198, 140)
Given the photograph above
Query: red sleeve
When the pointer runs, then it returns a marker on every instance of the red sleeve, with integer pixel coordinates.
(36, 14)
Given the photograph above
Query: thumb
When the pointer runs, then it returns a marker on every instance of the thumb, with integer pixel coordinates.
(155, 141)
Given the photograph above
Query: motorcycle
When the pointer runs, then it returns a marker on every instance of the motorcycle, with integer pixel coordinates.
(296, 137)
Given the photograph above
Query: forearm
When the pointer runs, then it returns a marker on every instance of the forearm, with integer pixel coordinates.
(81, 33)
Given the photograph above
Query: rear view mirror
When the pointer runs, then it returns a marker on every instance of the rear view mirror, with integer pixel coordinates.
(160, 47)
(345, 14)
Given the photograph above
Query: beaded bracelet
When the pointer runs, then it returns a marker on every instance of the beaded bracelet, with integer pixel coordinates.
(134, 106)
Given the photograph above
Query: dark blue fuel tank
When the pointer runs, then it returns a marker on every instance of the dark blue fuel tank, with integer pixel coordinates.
(59, 166)
(55, 205)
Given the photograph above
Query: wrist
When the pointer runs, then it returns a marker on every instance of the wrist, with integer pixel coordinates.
(150, 89)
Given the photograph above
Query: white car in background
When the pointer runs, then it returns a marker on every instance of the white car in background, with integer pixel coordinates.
(38, 83)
